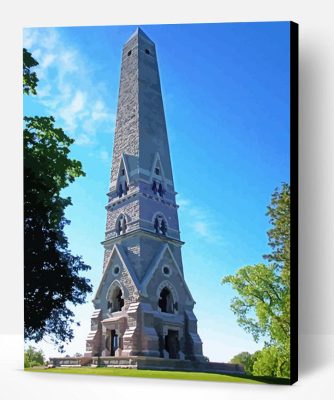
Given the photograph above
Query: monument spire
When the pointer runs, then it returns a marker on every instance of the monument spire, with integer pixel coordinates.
(140, 124)
(143, 306)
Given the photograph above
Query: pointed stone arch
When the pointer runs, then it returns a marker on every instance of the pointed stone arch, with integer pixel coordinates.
(123, 165)
(166, 283)
(154, 266)
(123, 176)
(157, 176)
(167, 297)
(121, 224)
(157, 164)
(115, 296)
(127, 266)
(158, 226)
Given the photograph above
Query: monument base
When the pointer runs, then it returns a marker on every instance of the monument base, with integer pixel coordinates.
(149, 363)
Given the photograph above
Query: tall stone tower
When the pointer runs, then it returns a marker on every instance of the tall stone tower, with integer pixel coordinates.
(143, 306)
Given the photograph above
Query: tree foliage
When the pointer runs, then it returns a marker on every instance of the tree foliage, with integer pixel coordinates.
(279, 234)
(262, 306)
(30, 79)
(33, 357)
(246, 359)
(271, 361)
(52, 280)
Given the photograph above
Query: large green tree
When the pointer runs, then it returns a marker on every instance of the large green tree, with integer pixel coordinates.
(246, 359)
(52, 280)
(262, 306)
(33, 357)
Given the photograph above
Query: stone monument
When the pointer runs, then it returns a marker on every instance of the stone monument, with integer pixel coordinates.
(143, 314)
(143, 306)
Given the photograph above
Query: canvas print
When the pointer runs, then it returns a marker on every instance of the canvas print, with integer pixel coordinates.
(160, 195)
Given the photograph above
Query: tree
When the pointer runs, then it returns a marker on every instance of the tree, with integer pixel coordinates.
(52, 280)
(271, 362)
(263, 303)
(247, 360)
(30, 79)
(244, 358)
(33, 357)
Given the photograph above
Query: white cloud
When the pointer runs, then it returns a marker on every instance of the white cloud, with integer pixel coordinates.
(83, 140)
(99, 111)
(183, 202)
(30, 37)
(68, 61)
(47, 60)
(65, 84)
(78, 102)
(44, 91)
(48, 38)
(200, 220)
(104, 155)
(202, 228)
(71, 112)
(37, 54)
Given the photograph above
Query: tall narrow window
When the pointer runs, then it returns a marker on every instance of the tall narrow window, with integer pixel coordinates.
(163, 227)
(160, 225)
(126, 187)
(165, 302)
(160, 190)
(121, 225)
(120, 190)
(116, 302)
(119, 301)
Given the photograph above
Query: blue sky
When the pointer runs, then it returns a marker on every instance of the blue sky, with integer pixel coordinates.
(226, 96)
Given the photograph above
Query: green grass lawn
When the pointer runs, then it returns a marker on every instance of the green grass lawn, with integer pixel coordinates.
(197, 376)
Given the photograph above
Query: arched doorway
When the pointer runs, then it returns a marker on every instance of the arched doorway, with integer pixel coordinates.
(112, 342)
(172, 345)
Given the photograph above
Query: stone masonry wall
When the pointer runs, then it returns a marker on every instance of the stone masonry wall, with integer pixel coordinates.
(131, 212)
(126, 132)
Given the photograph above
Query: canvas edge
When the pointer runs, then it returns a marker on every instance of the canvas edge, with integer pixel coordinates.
(294, 36)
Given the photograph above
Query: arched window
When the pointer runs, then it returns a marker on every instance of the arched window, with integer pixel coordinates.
(121, 225)
(166, 302)
(160, 225)
(116, 301)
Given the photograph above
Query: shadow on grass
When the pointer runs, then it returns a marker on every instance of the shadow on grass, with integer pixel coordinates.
(268, 379)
